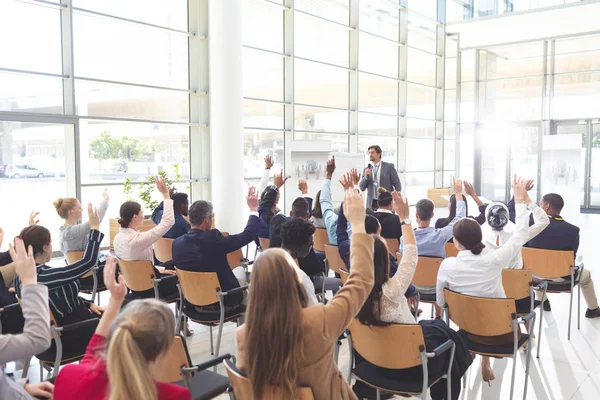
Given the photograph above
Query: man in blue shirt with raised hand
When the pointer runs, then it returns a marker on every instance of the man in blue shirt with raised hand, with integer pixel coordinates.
(181, 205)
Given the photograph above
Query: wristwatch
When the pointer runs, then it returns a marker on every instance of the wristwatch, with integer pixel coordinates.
(406, 222)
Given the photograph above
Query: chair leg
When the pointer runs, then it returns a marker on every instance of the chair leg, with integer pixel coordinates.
(432, 307)
(378, 394)
(351, 352)
(212, 351)
(26, 368)
(527, 366)
(539, 343)
(336, 352)
(219, 339)
(570, 313)
(578, 306)
(512, 381)
(41, 371)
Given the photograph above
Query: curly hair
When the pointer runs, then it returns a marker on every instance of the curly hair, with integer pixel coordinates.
(297, 236)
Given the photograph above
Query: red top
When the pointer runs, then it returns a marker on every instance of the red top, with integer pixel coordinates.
(89, 379)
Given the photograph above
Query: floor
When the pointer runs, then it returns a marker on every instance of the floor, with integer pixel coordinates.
(565, 369)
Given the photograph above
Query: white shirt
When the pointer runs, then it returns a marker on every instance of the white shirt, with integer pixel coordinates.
(133, 245)
(309, 287)
(383, 210)
(481, 275)
(495, 239)
(377, 177)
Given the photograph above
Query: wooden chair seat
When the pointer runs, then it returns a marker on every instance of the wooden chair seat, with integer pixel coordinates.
(320, 239)
(138, 274)
(451, 250)
(393, 245)
(333, 259)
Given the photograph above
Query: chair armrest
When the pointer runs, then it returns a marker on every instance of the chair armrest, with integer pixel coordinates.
(442, 348)
(539, 285)
(77, 325)
(526, 318)
(207, 364)
(240, 289)
(244, 262)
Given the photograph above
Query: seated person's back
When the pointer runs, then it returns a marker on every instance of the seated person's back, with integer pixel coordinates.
(180, 209)
(391, 226)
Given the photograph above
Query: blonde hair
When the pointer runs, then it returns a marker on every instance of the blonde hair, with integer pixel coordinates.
(140, 334)
(63, 206)
(274, 324)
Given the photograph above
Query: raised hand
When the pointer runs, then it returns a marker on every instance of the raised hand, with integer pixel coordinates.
(519, 187)
(24, 262)
(252, 198)
(401, 206)
(161, 185)
(303, 186)
(105, 195)
(330, 167)
(355, 175)
(93, 217)
(117, 290)
(268, 162)
(469, 189)
(33, 219)
(457, 187)
(354, 210)
(346, 181)
(172, 191)
(528, 185)
(279, 180)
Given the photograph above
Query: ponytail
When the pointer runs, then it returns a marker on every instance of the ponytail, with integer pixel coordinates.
(468, 233)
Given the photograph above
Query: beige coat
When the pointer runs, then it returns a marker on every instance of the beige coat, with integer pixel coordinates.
(323, 324)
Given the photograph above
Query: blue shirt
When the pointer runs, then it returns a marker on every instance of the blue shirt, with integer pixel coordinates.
(180, 228)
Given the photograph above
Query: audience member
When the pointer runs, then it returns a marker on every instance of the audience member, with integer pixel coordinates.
(132, 245)
(204, 249)
(378, 174)
(317, 214)
(391, 226)
(117, 363)
(264, 180)
(35, 337)
(469, 190)
(284, 343)
(180, 210)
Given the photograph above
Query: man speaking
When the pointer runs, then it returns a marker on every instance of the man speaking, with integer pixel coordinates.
(378, 174)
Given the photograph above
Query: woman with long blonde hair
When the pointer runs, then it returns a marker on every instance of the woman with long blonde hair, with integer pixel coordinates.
(117, 363)
(286, 345)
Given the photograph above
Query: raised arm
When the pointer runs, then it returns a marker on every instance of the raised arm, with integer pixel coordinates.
(227, 244)
(441, 283)
(461, 209)
(146, 239)
(540, 220)
(269, 198)
(329, 217)
(264, 180)
(103, 205)
(36, 332)
(158, 213)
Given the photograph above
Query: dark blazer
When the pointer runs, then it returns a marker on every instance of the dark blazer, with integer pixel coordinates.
(391, 227)
(388, 179)
(201, 251)
(181, 226)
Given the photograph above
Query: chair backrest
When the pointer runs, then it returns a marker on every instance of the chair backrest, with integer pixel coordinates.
(168, 370)
(163, 249)
(320, 239)
(73, 256)
(451, 250)
(393, 245)
(548, 263)
(242, 389)
(334, 261)
(234, 258)
(52, 319)
(517, 283)
(380, 345)
(199, 288)
(343, 275)
(138, 274)
(479, 315)
(427, 270)
(265, 243)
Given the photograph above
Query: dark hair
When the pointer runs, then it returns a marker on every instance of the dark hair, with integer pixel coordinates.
(425, 209)
(371, 224)
(297, 236)
(199, 210)
(468, 233)
(300, 208)
(441, 223)
(385, 198)
(179, 200)
(127, 211)
(376, 148)
(369, 314)
(555, 201)
(316, 211)
(35, 236)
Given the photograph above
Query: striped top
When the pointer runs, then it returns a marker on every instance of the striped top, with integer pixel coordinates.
(63, 282)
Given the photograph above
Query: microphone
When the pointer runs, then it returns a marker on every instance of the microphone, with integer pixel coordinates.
(370, 166)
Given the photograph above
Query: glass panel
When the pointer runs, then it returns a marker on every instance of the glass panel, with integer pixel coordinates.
(511, 99)
(580, 129)
(524, 141)
(339, 143)
(577, 62)
(377, 94)
(416, 185)
(262, 75)
(374, 124)
(389, 146)
(450, 79)
(33, 163)
(334, 10)
(120, 101)
(450, 105)
(450, 130)
(380, 18)
(420, 101)
(320, 119)
(512, 61)
(262, 26)
(447, 178)
(595, 168)
(467, 66)
(129, 53)
(427, 8)
(263, 114)
(422, 33)
(449, 154)
(257, 144)
(580, 44)
(493, 162)
(451, 46)
(420, 128)
(30, 93)
(467, 102)
(156, 12)
(30, 37)
(113, 150)
(467, 152)
(377, 55)
(420, 154)
(576, 96)
(320, 40)
(320, 84)
(421, 67)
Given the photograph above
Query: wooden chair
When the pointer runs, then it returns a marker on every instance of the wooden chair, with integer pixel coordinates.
(332, 258)
(551, 264)
(393, 245)
(426, 276)
(140, 276)
(202, 289)
(490, 317)
(72, 257)
(380, 347)
(265, 243)
(163, 249)
(518, 284)
(176, 367)
(344, 275)
(241, 388)
(237, 259)
(451, 250)
(320, 239)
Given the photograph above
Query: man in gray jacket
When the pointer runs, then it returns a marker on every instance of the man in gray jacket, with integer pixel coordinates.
(36, 334)
(378, 174)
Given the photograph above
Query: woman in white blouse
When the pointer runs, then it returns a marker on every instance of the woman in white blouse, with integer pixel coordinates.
(477, 270)
(133, 245)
